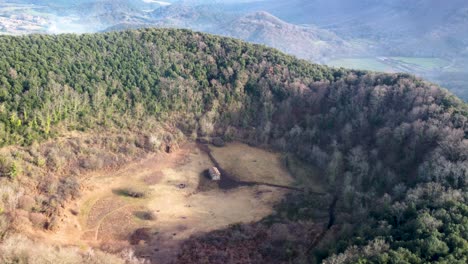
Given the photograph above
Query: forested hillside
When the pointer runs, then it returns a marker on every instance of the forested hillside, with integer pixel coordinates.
(392, 148)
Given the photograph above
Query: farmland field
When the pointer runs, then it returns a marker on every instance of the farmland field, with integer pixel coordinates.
(368, 64)
(446, 73)
(395, 64)
(426, 63)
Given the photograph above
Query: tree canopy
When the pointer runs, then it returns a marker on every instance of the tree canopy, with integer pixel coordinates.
(391, 147)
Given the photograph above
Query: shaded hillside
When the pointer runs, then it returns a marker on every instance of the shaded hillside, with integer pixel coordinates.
(421, 28)
(306, 42)
(309, 42)
(202, 18)
(392, 148)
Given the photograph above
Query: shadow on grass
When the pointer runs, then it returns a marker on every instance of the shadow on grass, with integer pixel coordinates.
(133, 192)
(145, 215)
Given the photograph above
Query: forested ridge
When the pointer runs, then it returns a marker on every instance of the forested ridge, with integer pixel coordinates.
(391, 148)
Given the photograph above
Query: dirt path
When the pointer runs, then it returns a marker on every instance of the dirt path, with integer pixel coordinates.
(179, 208)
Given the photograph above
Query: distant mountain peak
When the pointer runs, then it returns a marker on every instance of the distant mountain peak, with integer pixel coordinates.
(264, 15)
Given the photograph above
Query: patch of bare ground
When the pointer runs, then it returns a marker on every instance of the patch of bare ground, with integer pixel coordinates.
(174, 206)
(154, 178)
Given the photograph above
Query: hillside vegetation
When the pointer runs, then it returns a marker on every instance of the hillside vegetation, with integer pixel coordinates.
(392, 148)
(333, 32)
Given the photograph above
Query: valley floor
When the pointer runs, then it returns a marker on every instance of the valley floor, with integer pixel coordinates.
(179, 200)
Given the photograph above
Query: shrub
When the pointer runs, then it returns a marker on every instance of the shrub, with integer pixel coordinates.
(134, 191)
(68, 188)
(4, 167)
(92, 163)
(141, 234)
(21, 250)
(9, 197)
(146, 215)
(9, 168)
(52, 224)
(40, 161)
(15, 170)
(153, 143)
(55, 159)
(4, 224)
(38, 220)
(206, 125)
(26, 202)
(218, 142)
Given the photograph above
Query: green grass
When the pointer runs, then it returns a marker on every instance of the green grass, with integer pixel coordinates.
(305, 174)
(417, 64)
(369, 64)
(426, 63)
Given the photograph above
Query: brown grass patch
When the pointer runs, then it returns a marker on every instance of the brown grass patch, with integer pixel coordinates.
(118, 225)
(111, 217)
(101, 208)
(252, 164)
(88, 235)
(154, 178)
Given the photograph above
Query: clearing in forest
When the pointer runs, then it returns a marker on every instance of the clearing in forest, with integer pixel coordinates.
(155, 204)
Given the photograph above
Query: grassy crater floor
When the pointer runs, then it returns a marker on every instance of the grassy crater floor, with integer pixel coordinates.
(176, 200)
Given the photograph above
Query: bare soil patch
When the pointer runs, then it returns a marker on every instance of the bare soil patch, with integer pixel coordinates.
(154, 178)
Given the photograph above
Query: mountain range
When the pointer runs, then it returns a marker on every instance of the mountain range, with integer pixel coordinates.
(392, 27)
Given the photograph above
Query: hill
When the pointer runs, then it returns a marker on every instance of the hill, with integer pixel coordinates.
(306, 42)
(425, 38)
(391, 149)
(398, 27)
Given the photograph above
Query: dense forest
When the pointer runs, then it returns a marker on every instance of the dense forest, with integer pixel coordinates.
(391, 148)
